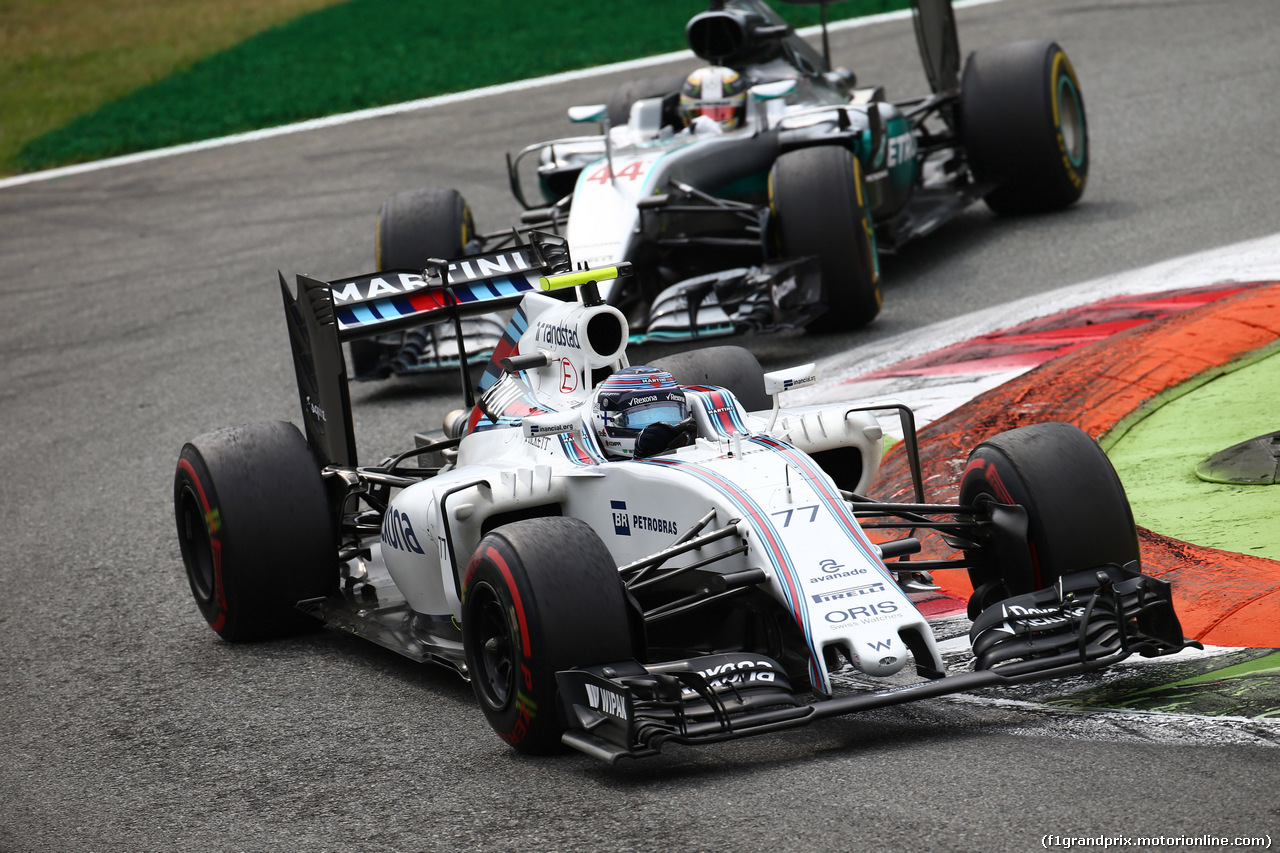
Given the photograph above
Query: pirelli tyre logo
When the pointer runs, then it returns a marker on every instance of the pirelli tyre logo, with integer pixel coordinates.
(847, 592)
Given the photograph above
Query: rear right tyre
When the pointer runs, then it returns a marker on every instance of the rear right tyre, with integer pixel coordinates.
(255, 529)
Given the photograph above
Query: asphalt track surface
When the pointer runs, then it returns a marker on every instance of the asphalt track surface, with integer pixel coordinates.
(140, 310)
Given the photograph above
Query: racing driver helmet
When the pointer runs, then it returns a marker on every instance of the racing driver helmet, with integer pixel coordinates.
(630, 400)
(716, 92)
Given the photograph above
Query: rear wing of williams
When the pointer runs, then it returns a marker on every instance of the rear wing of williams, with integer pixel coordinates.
(324, 315)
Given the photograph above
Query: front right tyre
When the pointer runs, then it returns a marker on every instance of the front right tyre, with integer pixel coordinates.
(539, 596)
(819, 208)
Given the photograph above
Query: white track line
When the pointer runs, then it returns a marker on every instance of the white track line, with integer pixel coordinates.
(424, 103)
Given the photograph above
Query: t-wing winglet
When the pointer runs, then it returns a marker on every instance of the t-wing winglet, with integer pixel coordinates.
(321, 371)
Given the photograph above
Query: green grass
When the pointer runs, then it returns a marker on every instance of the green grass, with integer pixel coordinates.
(1157, 457)
(63, 58)
(367, 53)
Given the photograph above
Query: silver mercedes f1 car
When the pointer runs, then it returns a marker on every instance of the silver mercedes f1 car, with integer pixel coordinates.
(621, 556)
(758, 192)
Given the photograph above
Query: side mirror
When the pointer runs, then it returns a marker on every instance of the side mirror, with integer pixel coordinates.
(592, 112)
(778, 381)
(793, 377)
(769, 91)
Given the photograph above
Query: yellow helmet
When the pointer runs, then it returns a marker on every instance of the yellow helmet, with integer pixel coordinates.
(715, 92)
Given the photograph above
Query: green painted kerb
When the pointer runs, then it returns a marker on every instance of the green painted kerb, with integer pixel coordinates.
(1156, 450)
(1247, 689)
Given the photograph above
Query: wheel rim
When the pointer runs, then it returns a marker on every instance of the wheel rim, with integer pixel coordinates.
(196, 547)
(494, 655)
(1071, 120)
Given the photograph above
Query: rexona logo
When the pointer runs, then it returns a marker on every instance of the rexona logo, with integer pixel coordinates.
(398, 533)
(607, 702)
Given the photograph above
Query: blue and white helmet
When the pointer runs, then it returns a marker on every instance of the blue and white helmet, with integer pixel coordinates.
(632, 399)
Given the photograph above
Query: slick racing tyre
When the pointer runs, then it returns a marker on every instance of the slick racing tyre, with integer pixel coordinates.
(1078, 516)
(417, 225)
(626, 94)
(732, 368)
(1023, 124)
(255, 529)
(817, 202)
(539, 596)
(413, 227)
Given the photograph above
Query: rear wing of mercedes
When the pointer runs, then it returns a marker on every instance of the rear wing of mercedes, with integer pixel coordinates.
(324, 315)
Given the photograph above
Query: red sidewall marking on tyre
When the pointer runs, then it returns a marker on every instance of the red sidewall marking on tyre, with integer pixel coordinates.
(1222, 597)
(215, 546)
(523, 624)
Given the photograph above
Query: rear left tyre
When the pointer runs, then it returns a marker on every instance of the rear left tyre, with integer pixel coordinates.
(255, 530)
(732, 368)
(1023, 124)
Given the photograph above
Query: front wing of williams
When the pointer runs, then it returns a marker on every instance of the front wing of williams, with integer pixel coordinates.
(707, 589)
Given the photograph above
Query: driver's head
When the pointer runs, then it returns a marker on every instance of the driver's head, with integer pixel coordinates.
(630, 400)
(716, 92)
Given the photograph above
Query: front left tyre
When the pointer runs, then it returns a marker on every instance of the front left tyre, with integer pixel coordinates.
(1078, 516)
(255, 530)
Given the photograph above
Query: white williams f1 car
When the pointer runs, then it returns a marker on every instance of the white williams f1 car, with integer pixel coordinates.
(619, 556)
(758, 192)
